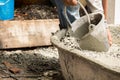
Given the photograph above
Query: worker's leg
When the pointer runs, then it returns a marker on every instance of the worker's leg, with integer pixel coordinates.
(95, 5)
(72, 12)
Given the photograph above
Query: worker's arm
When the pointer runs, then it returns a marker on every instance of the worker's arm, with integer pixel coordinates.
(70, 2)
(105, 7)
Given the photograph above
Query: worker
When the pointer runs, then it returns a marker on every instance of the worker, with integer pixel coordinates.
(73, 8)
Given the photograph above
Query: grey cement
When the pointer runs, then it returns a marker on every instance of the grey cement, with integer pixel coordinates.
(110, 58)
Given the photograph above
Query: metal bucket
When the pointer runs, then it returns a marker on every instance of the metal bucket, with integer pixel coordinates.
(94, 36)
(76, 66)
(90, 30)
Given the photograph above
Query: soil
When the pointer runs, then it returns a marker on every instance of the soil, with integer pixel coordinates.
(35, 11)
(39, 63)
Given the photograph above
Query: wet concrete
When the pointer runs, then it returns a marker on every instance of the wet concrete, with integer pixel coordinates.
(78, 64)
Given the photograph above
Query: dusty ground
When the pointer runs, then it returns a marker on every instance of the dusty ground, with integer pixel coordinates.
(34, 12)
(30, 64)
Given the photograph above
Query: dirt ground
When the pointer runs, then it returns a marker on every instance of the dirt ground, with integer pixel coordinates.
(39, 63)
(34, 12)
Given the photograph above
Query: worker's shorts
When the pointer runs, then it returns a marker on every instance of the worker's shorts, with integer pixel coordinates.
(73, 11)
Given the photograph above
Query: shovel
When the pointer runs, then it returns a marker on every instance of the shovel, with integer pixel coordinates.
(89, 31)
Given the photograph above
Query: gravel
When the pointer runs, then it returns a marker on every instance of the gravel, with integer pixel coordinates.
(34, 12)
(33, 61)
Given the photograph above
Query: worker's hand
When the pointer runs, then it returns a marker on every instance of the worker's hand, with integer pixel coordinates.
(70, 2)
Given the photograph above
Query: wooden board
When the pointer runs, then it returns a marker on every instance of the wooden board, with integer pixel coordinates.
(27, 33)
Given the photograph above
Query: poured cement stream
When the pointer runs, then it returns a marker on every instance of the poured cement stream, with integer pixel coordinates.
(110, 58)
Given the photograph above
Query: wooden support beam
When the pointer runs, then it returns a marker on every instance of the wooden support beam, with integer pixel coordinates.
(27, 33)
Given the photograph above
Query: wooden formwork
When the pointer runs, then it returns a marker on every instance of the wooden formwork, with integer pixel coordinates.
(27, 33)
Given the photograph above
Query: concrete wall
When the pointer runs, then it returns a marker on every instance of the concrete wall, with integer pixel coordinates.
(117, 12)
(111, 8)
(113, 12)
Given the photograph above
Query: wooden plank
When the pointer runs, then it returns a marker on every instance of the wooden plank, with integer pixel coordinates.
(27, 33)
